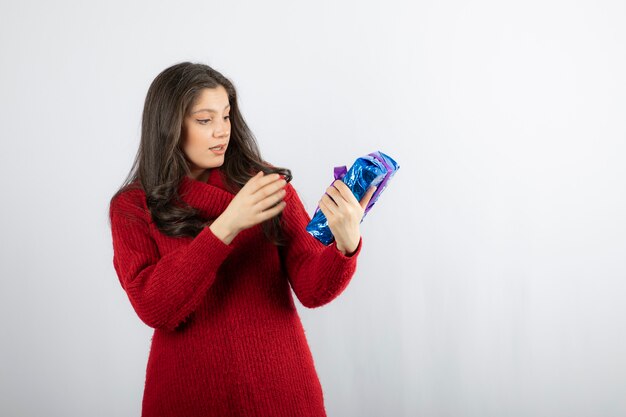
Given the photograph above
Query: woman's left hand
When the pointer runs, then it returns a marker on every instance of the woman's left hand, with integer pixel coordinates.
(344, 214)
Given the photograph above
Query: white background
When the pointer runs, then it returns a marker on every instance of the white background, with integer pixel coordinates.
(492, 277)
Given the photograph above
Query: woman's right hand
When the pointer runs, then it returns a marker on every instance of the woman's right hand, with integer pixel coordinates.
(252, 205)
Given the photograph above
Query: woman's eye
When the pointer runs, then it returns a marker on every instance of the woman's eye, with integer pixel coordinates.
(205, 121)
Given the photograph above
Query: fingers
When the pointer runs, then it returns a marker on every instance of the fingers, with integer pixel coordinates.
(367, 197)
(332, 196)
(270, 200)
(341, 194)
(339, 200)
(345, 191)
(271, 212)
(327, 205)
(258, 200)
(260, 180)
(272, 190)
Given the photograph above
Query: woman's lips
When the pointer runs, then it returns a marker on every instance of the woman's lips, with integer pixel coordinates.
(219, 149)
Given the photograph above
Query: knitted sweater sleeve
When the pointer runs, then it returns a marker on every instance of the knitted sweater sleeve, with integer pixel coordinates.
(163, 290)
(317, 273)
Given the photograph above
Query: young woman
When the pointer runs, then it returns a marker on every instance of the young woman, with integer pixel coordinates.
(208, 241)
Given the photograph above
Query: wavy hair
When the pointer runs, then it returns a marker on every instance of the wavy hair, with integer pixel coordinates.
(160, 162)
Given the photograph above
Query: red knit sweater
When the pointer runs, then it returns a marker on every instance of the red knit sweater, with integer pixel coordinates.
(228, 340)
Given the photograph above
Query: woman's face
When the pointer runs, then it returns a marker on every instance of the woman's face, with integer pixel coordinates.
(206, 126)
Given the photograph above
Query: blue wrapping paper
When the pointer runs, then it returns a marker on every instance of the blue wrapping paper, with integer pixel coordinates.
(374, 169)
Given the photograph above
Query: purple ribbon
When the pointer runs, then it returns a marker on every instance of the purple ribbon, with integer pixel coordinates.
(340, 172)
(383, 183)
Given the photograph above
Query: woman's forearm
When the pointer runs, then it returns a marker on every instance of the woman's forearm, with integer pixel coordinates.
(223, 231)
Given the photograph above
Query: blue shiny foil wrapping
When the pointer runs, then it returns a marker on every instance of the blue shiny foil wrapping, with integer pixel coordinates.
(374, 169)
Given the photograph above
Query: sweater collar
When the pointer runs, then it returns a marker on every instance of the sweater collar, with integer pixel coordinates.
(210, 197)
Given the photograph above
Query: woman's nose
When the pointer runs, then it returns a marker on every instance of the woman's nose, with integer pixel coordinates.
(221, 129)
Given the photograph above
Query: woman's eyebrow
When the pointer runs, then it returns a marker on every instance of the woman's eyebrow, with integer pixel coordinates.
(209, 110)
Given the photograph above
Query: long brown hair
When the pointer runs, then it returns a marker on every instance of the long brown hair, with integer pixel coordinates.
(160, 162)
